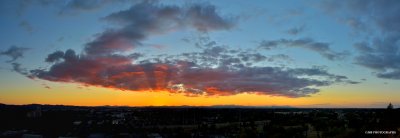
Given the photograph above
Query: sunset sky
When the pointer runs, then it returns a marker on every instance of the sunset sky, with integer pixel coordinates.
(299, 53)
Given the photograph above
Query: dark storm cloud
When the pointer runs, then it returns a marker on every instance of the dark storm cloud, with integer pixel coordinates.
(320, 47)
(14, 52)
(379, 22)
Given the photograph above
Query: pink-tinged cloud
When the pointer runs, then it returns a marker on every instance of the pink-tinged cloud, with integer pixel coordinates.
(215, 70)
(186, 76)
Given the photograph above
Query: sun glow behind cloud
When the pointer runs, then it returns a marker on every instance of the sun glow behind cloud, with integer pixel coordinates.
(72, 94)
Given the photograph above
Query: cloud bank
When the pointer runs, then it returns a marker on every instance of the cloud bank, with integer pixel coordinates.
(215, 70)
(378, 22)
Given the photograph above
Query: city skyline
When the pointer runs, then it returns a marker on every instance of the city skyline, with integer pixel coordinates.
(328, 54)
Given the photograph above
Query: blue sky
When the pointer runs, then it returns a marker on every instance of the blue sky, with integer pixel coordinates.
(311, 46)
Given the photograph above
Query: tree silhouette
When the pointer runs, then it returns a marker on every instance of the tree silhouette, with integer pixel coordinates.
(390, 106)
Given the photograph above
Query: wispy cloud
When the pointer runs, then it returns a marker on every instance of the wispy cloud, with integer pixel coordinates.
(321, 48)
(14, 52)
(296, 30)
(26, 26)
(380, 50)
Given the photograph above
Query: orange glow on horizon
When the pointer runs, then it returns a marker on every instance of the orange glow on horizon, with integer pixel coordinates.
(74, 94)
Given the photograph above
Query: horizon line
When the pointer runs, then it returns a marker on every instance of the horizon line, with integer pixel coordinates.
(203, 106)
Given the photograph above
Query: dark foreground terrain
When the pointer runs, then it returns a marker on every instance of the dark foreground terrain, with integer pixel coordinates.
(217, 122)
